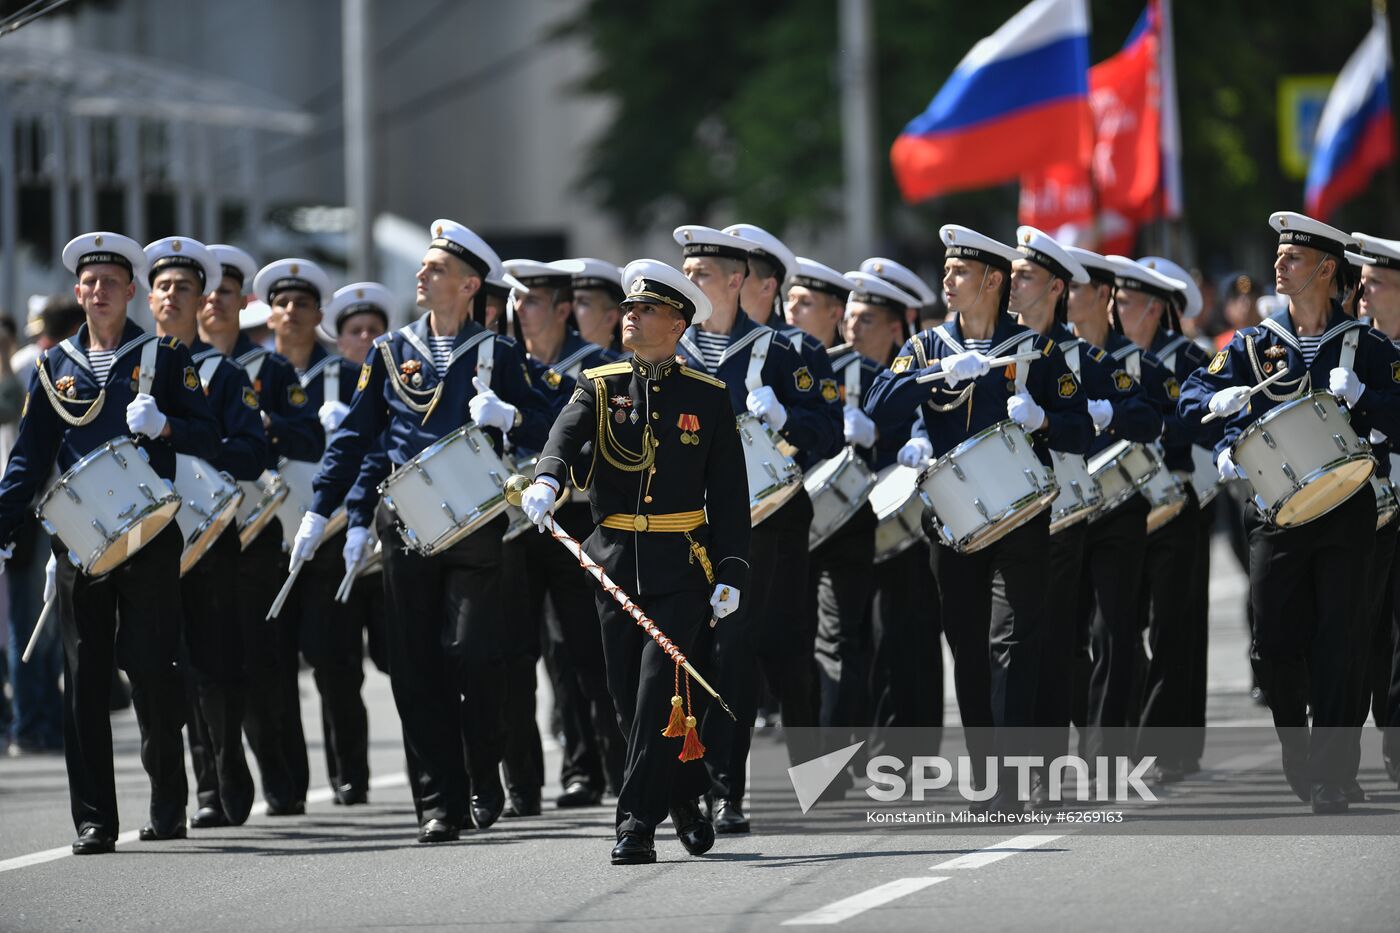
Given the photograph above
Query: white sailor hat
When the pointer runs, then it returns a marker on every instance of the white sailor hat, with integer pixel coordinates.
(460, 241)
(962, 243)
(819, 277)
(500, 283)
(254, 314)
(358, 298)
(557, 274)
(237, 264)
(1375, 251)
(103, 247)
(696, 240)
(1298, 228)
(180, 252)
(770, 247)
(901, 277)
(1191, 293)
(1095, 264)
(871, 289)
(654, 282)
(601, 275)
(1040, 248)
(286, 275)
(1139, 278)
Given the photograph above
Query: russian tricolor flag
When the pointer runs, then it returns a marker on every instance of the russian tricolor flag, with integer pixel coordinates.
(1355, 134)
(1018, 101)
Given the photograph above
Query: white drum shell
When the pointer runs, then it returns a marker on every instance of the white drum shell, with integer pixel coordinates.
(1121, 469)
(1079, 494)
(452, 488)
(838, 487)
(1387, 504)
(899, 511)
(209, 501)
(773, 476)
(1205, 476)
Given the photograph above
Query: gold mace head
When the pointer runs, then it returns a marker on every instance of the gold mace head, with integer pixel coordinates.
(515, 488)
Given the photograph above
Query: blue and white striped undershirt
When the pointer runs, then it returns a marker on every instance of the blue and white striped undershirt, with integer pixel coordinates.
(101, 362)
(981, 346)
(712, 347)
(442, 351)
(1310, 347)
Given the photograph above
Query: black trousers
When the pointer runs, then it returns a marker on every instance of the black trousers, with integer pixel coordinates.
(994, 606)
(213, 653)
(1199, 616)
(1371, 671)
(906, 622)
(129, 618)
(840, 586)
(771, 632)
(1064, 669)
(272, 718)
(522, 753)
(1109, 592)
(642, 680)
(445, 637)
(332, 642)
(1308, 591)
(1168, 575)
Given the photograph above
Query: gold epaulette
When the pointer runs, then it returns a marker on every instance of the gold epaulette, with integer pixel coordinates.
(608, 369)
(171, 342)
(687, 371)
(1049, 345)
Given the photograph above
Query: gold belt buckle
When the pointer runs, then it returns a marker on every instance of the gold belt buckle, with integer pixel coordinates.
(640, 523)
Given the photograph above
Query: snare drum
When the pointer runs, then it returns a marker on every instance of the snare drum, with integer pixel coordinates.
(209, 503)
(773, 476)
(1121, 469)
(261, 497)
(1205, 476)
(1079, 495)
(1166, 494)
(899, 511)
(838, 487)
(298, 475)
(451, 489)
(519, 521)
(1302, 459)
(1387, 504)
(986, 487)
(108, 506)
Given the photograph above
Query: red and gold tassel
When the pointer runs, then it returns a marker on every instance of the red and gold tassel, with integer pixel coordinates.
(675, 726)
(692, 749)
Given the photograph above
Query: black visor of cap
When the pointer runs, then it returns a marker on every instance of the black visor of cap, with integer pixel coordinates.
(986, 257)
(870, 298)
(106, 257)
(1101, 276)
(821, 285)
(780, 270)
(1049, 262)
(1385, 262)
(1315, 241)
(462, 253)
(659, 293)
(554, 280)
(177, 262)
(1138, 285)
(292, 283)
(363, 307)
(598, 283)
(720, 250)
(235, 273)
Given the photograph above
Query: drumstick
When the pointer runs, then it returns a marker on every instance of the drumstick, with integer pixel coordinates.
(994, 362)
(347, 583)
(38, 627)
(1282, 371)
(286, 590)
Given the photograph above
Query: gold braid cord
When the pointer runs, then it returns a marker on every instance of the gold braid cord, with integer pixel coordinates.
(628, 461)
(1301, 384)
(59, 403)
(405, 392)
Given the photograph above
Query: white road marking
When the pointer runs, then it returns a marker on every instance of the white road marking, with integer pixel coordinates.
(849, 907)
(997, 852)
(320, 795)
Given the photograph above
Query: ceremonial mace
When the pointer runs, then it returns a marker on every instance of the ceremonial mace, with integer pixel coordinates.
(515, 486)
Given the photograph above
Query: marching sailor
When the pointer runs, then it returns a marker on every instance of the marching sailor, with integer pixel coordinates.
(925, 310)
(598, 295)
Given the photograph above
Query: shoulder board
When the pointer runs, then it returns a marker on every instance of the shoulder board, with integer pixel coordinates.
(608, 369)
(687, 371)
(837, 350)
(384, 338)
(1049, 345)
(170, 342)
(1251, 331)
(1097, 355)
(505, 339)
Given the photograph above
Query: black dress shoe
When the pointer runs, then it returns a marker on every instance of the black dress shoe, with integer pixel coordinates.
(695, 832)
(487, 807)
(286, 809)
(438, 831)
(729, 817)
(1352, 790)
(1295, 770)
(634, 849)
(208, 818)
(523, 803)
(348, 795)
(94, 841)
(1328, 798)
(154, 833)
(578, 794)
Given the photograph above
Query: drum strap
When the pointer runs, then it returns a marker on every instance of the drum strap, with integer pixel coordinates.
(486, 360)
(330, 381)
(1167, 355)
(853, 383)
(147, 376)
(1349, 343)
(1133, 364)
(1023, 368)
(207, 370)
(758, 355)
(1071, 353)
(796, 341)
(253, 365)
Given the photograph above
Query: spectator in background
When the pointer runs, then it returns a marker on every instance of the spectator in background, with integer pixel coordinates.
(1201, 328)
(38, 702)
(1238, 306)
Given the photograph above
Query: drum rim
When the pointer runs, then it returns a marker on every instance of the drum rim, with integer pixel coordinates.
(1028, 503)
(433, 448)
(969, 443)
(1271, 513)
(1177, 507)
(494, 508)
(223, 518)
(112, 538)
(85, 461)
(853, 506)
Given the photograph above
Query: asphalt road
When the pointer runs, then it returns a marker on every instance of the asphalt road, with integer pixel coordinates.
(1243, 855)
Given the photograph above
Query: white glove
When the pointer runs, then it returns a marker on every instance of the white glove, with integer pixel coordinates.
(1377, 436)
(143, 417)
(724, 600)
(537, 501)
(964, 366)
(1101, 410)
(5, 553)
(915, 453)
(1343, 383)
(765, 406)
(1023, 410)
(356, 539)
(1227, 467)
(308, 536)
(1226, 402)
(51, 578)
(860, 430)
(332, 413)
(487, 409)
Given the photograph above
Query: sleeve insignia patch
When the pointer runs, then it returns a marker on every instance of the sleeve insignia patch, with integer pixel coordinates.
(829, 391)
(1068, 386)
(901, 363)
(296, 395)
(1217, 364)
(364, 377)
(1122, 381)
(191, 378)
(250, 398)
(803, 379)
(1173, 388)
